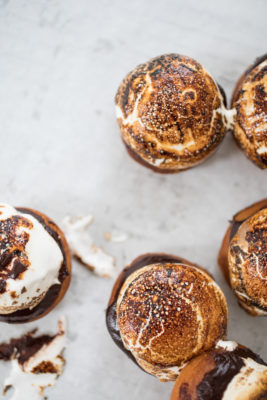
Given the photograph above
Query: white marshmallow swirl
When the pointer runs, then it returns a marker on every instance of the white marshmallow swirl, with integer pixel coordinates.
(30, 260)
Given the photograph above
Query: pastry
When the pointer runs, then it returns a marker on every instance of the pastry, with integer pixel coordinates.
(171, 113)
(228, 372)
(243, 257)
(250, 102)
(163, 311)
(35, 264)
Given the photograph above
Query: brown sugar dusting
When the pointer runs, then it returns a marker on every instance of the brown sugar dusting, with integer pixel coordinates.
(248, 261)
(250, 101)
(170, 112)
(169, 313)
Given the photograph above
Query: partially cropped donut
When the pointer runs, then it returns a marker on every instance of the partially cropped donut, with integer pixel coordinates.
(35, 264)
(243, 257)
(228, 372)
(171, 113)
(164, 311)
(250, 102)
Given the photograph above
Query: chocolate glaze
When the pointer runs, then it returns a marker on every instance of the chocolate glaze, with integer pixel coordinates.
(24, 347)
(228, 364)
(27, 314)
(235, 225)
(111, 312)
(223, 94)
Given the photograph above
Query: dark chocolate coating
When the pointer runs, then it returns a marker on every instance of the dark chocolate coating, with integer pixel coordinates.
(24, 347)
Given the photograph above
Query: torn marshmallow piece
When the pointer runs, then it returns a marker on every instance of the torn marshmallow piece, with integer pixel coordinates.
(82, 246)
(36, 363)
(115, 236)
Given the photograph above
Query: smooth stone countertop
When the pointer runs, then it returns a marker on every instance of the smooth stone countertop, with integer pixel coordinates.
(61, 153)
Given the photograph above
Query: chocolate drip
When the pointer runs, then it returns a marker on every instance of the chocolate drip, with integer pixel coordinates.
(111, 312)
(2, 286)
(17, 269)
(223, 95)
(27, 314)
(5, 259)
(24, 347)
(228, 364)
(235, 225)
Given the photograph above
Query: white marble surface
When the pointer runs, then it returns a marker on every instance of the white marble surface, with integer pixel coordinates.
(61, 63)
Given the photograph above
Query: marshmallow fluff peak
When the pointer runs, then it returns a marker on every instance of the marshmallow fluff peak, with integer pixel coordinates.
(30, 260)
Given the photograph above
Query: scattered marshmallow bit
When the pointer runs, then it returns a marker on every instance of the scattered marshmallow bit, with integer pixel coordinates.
(41, 369)
(82, 246)
(115, 236)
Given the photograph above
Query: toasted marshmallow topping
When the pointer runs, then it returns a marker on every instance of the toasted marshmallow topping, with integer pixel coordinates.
(163, 332)
(250, 382)
(250, 101)
(247, 263)
(82, 246)
(30, 260)
(41, 370)
(171, 112)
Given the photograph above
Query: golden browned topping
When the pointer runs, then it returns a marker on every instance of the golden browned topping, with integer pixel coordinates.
(45, 367)
(170, 112)
(168, 313)
(248, 263)
(250, 101)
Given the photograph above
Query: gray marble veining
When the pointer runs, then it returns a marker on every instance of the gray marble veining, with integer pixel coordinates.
(61, 63)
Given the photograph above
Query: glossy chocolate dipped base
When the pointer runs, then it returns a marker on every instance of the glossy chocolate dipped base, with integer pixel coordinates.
(207, 376)
(237, 220)
(57, 291)
(139, 262)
